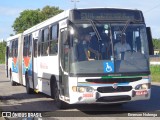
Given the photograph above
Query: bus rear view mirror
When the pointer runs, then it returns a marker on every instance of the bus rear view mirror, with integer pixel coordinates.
(150, 43)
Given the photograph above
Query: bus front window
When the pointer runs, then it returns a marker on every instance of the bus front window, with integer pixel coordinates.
(95, 49)
(91, 46)
(130, 48)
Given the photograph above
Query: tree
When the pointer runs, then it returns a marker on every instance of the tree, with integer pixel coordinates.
(48, 12)
(29, 18)
(156, 43)
(2, 51)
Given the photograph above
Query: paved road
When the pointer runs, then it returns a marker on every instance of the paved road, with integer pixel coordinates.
(14, 98)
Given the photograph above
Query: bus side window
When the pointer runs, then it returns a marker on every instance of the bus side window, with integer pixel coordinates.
(39, 42)
(54, 39)
(45, 42)
(29, 45)
(16, 48)
(35, 47)
(13, 42)
(26, 45)
(10, 49)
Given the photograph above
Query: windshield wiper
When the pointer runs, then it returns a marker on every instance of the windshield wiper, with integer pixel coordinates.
(95, 30)
(126, 25)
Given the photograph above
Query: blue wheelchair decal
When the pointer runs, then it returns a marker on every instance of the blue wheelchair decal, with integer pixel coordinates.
(108, 67)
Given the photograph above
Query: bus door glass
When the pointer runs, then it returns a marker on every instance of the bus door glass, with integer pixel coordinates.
(34, 66)
(64, 58)
(7, 56)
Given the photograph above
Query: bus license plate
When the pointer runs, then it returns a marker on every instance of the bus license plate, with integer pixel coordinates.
(139, 93)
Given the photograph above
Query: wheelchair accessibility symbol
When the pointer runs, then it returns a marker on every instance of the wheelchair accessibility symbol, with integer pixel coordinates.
(108, 67)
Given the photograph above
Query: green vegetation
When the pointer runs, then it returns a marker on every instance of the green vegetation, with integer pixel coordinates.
(155, 73)
(156, 43)
(29, 18)
(2, 52)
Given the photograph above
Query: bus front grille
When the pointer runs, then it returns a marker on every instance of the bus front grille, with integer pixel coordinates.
(110, 89)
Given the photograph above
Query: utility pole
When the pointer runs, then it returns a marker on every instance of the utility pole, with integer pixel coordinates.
(75, 3)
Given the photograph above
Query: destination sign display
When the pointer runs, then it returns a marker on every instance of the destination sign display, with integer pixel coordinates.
(107, 14)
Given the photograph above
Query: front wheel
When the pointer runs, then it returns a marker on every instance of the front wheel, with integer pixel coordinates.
(55, 95)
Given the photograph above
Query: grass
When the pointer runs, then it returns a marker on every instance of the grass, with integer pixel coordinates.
(155, 73)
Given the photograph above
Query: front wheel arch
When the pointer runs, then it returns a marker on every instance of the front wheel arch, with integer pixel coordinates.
(28, 89)
(13, 83)
(55, 92)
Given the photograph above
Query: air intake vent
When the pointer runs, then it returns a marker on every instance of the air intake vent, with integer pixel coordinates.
(110, 89)
(114, 98)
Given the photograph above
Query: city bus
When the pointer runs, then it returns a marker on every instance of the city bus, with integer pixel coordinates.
(72, 57)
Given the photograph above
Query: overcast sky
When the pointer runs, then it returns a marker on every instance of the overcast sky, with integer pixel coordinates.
(10, 9)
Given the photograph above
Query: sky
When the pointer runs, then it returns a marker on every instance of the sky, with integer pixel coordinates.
(11, 9)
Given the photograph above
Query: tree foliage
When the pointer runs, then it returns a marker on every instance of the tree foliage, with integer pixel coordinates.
(50, 11)
(2, 52)
(29, 18)
(156, 43)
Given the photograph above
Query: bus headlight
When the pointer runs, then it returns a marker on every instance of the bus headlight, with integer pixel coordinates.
(82, 89)
(143, 86)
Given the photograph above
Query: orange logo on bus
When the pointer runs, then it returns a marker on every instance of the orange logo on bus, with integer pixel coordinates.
(14, 61)
(26, 61)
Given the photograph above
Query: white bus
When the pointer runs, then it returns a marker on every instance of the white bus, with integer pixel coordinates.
(72, 57)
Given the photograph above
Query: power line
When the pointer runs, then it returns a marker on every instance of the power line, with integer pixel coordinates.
(152, 8)
(75, 1)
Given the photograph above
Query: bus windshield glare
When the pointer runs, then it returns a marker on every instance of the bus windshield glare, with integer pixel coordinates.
(109, 48)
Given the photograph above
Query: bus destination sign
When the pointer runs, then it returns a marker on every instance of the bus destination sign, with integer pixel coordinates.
(107, 14)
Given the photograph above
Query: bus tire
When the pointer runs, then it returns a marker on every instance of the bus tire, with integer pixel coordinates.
(11, 80)
(118, 104)
(55, 95)
(28, 89)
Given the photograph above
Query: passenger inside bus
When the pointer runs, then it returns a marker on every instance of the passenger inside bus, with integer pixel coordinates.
(92, 47)
(121, 47)
(82, 47)
(101, 47)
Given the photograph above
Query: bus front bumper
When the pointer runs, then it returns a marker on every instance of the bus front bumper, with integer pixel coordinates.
(110, 98)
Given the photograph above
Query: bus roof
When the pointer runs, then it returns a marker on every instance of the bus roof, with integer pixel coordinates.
(49, 21)
(64, 15)
(91, 8)
(14, 37)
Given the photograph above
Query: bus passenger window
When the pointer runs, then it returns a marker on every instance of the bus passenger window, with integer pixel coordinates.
(30, 45)
(45, 42)
(54, 39)
(10, 49)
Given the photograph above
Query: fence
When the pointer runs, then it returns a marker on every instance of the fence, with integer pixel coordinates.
(155, 59)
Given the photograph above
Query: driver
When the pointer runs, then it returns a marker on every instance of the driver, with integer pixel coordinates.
(121, 46)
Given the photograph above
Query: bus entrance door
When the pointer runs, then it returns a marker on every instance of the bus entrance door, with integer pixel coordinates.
(35, 70)
(64, 66)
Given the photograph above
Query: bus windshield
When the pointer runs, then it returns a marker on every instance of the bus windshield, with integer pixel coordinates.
(108, 48)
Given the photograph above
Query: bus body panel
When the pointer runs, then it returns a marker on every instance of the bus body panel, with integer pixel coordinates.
(100, 96)
(15, 58)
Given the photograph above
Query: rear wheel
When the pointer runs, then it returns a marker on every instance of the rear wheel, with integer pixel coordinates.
(28, 89)
(11, 80)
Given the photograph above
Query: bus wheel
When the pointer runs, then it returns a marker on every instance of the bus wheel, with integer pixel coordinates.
(55, 95)
(11, 80)
(28, 89)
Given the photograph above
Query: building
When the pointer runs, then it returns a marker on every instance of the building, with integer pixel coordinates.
(156, 51)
